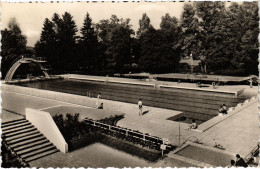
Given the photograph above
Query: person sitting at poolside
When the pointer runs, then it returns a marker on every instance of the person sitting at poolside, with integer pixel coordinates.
(101, 106)
(222, 109)
(193, 125)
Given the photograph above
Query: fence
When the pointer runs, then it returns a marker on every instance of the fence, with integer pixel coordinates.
(143, 137)
(252, 154)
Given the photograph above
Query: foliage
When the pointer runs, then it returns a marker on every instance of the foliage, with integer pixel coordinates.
(75, 131)
(156, 53)
(111, 120)
(144, 25)
(87, 47)
(223, 37)
(116, 36)
(58, 42)
(189, 35)
(13, 45)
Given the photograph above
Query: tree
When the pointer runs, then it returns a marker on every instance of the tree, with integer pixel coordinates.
(169, 25)
(58, 42)
(157, 54)
(248, 17)
(189, 37)
(115, 35)
(13, 45)
(227, 34)
(47, 45)
(144, 25)
(212, 16)
(88, 46)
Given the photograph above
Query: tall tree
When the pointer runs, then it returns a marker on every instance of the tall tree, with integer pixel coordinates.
(169, 25)
(189, 37)
(144, 25)
(116, 35)
(156, 53)
(13, 45)
(88, 46)
(212, 16)
(58, 42)
(47, 45)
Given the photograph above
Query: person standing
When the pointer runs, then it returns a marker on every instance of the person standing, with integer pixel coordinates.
(98, 101)
(251, 82)
(140, 106)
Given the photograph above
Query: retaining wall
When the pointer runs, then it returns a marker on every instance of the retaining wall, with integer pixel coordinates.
(46, 125)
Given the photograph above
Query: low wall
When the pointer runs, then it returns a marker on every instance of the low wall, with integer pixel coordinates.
(129, 82)
(45, 124)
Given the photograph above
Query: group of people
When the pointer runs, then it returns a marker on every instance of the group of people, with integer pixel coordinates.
(222, 109)
(240, 162)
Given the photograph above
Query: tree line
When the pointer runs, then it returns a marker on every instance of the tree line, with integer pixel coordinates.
(223, 37)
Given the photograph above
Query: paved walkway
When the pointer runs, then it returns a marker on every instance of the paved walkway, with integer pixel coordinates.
(9, 116)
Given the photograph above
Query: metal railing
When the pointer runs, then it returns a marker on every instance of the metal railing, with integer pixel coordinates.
(156, 141)
(252, 153)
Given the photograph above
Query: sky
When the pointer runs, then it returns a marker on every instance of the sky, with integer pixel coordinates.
(30, 16)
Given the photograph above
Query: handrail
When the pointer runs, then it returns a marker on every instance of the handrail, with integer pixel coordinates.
(252, 153)
(127, 132)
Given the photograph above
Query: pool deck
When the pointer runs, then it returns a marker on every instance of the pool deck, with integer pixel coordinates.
(238, 133)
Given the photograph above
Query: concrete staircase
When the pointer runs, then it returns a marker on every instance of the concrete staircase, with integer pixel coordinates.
(21, 136)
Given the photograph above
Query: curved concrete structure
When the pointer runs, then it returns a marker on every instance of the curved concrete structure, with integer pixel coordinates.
(21, 60)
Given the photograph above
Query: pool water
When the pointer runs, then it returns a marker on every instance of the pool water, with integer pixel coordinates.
(200, 106)
(205, 155)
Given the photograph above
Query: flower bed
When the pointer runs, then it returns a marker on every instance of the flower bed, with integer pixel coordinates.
(80, 133)
(76, 133)
(130, 148)
(112, 120)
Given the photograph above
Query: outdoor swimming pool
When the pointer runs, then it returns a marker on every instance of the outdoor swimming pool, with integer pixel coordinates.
(200, 106)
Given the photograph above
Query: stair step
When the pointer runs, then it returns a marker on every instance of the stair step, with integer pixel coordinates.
(35, 148)
(35, 157)
(29, 145)
(27, 142)
(37, 152)
(17, 129)
(15, 126)
(8, 122)
(13, 123)
(14, 137)
(20, 132)
(24, 139)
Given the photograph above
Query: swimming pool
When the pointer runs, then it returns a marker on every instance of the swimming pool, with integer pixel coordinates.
(197, 105)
